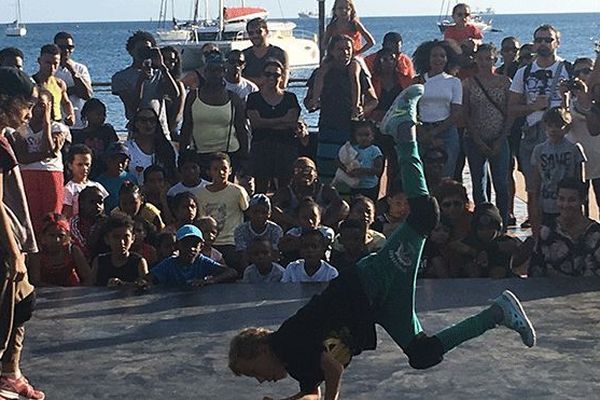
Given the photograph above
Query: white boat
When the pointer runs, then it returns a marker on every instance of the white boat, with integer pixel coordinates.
(482, 20)
(228, 32)
(16, 28)
(308, 15)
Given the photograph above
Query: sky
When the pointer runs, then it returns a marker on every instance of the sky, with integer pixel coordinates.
(131, 10)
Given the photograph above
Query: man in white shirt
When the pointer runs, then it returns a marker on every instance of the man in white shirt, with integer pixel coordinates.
(535, 88)
(75, 75)
(234, 81)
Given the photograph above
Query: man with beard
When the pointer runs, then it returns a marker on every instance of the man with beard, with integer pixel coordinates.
(261, 51)
(534, 89)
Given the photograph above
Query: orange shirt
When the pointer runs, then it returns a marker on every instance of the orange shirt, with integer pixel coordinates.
(404, 67)
(459, 34)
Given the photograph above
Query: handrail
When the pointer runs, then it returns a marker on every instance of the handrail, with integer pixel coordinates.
(108, 84)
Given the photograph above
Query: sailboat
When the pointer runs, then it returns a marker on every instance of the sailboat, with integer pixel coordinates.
(16, 28)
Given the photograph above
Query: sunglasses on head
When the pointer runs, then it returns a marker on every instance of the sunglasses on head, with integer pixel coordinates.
(66, 46)
(268, 74)
(543, 40)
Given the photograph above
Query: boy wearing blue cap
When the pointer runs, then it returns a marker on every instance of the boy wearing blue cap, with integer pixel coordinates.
(189, 268)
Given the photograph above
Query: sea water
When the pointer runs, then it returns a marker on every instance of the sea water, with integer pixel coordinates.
(101, 45)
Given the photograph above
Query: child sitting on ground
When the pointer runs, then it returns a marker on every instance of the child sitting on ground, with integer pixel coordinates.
(263, 267)
(59, 262)
(258, 226)
(131, 203)
(97, 135)
(209, 229)
(165, 246)
(117, 160)
(553, 160)
(394, 211)
(189, 171)
(308, 218)
(120, 266)
(86, 226)
(352, 245)
(226, 203)
(363, 209)
(189, 267)
(155, 191)
(436, 260)
(184, 208)
(311, 267)
(144, 233)
(79, 162)
(370, 160)
(486, 252)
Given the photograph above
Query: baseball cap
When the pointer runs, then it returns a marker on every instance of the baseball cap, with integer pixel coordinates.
(188, 230)
(14, 82)
(116, 148)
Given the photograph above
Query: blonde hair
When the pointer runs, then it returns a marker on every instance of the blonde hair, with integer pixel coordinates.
(246, 345)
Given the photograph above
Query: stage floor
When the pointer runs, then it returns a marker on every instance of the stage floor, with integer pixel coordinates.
(87, 343)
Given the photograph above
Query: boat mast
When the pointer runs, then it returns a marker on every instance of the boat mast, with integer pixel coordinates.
(221, 19)
(195, 18)
(18, 12)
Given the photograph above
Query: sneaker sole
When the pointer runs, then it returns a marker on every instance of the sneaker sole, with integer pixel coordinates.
(519, 307)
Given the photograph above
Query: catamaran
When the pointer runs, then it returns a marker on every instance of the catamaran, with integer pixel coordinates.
(16, 28)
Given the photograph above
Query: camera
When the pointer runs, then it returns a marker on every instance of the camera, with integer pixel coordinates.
(574, 84)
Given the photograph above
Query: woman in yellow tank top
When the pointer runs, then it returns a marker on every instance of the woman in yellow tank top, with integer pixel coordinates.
(214, 119)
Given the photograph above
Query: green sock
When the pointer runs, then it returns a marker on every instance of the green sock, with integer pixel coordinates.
(467, 329)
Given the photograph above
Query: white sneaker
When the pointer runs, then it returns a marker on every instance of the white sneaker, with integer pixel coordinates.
(515, 317)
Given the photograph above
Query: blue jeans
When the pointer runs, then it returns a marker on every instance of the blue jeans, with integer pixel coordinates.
(452, 146)
(499, 166)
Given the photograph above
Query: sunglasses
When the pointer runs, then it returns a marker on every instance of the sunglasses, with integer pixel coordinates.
(460, 15)
(543, 40)
(509, 49)
(237, 62)
(455, 204)
(584, 71)
(66, 46)
(271, 74)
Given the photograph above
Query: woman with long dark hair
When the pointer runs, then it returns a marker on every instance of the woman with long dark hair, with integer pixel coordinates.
(149, 146)
(440, 106)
